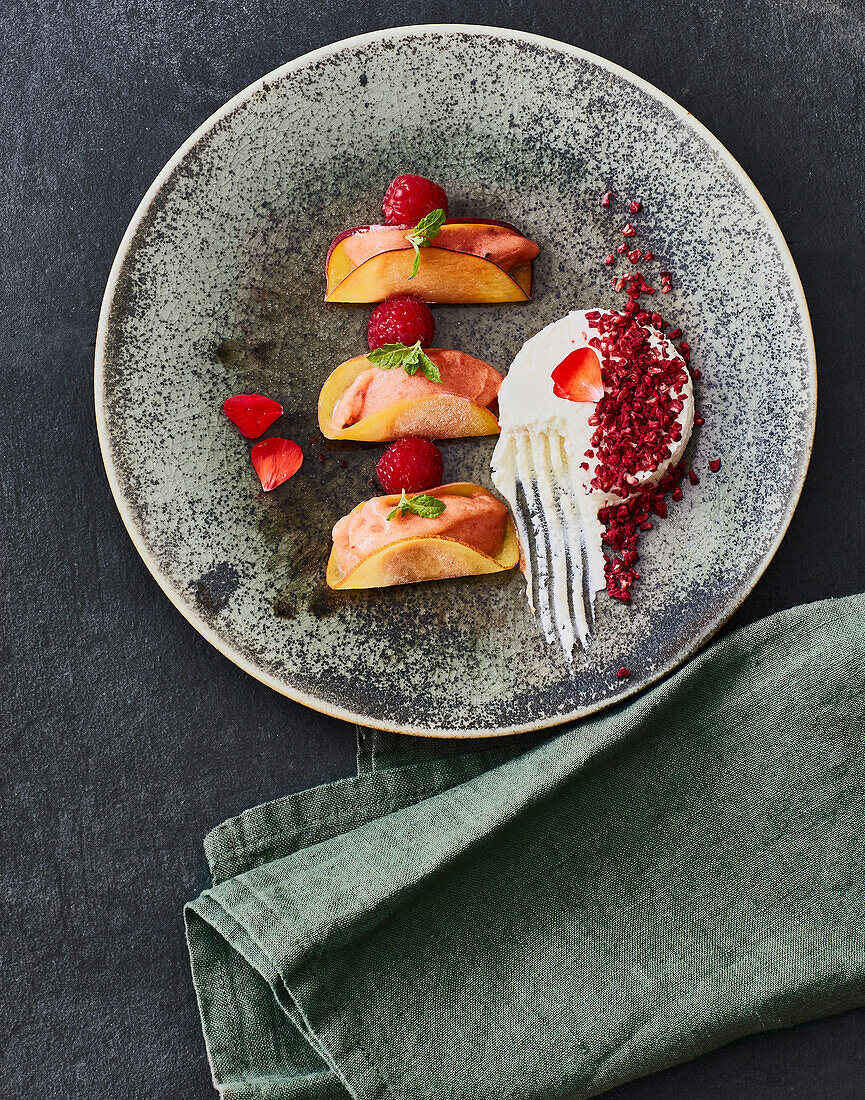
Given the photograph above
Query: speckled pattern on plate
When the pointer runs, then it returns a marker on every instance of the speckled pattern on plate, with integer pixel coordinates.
(218, 287)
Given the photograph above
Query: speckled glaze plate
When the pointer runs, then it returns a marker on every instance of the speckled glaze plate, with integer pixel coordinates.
(217, 289)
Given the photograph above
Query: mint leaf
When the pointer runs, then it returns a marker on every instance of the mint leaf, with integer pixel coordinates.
(425, 506)
(420, 237)
(389, 356)
(400, 508)
(428, 367)
(421, 504)
(411, 362)
(429, 226)
(411, 359)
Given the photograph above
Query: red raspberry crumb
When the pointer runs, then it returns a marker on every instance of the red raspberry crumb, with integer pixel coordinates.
(623, 673)
(609, 260)
(402, 319)
(410, 198)
(635, 206)
(699, 421)
(605, 198)
(692, 477)
(715, 465)
(629, 231)
(412, 463)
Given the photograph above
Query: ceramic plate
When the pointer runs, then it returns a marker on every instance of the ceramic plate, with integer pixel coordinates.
(217, 289)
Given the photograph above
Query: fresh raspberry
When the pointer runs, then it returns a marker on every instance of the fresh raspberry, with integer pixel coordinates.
(413, 464)
(410, 198)
(402, 319)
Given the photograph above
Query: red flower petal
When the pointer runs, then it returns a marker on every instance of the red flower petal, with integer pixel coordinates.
(252, 413)
(275, 461)
(578, 377)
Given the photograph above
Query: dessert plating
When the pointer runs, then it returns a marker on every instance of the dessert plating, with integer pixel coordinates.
(596, 409)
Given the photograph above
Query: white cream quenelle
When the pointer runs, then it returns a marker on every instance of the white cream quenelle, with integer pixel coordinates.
(536, 467)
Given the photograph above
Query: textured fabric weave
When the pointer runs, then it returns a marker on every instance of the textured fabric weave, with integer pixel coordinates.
(622, 896)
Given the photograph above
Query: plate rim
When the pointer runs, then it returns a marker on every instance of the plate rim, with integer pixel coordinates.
(141, 211)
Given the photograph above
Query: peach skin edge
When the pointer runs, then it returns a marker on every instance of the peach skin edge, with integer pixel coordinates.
(412, 416)
(411, 561)
(444, 277)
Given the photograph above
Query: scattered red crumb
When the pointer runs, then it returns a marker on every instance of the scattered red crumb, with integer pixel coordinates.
(715, 465)
(623, 672)
(605, 198)
(636, 419)
(636, 423)
(624, 524)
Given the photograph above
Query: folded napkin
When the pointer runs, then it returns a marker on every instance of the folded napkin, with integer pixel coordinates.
(628, 894)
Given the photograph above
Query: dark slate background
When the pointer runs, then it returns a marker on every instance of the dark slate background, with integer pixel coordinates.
(125, 736)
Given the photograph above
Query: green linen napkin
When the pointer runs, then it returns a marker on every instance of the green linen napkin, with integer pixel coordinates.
(630, 893)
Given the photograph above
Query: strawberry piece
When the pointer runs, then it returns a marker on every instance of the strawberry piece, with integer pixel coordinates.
(402, 319)
(275, 461)
(410, 198)
(252, 413)
(578, 377)
(412, 463)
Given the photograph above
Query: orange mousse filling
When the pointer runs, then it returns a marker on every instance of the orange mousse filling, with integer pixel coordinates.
(505, 247)
(376, 389)
(477, 520)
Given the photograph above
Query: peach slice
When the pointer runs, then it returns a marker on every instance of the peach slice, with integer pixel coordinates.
(435, 558)
(445, 277)
(436, 415)
(482, 262)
